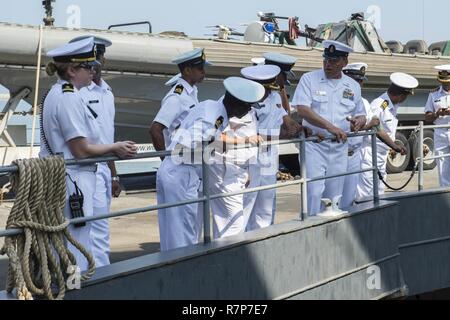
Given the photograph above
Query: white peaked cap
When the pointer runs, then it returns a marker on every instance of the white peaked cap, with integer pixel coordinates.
(244, 90)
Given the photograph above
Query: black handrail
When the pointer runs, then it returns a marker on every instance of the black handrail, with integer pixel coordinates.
(132, 24)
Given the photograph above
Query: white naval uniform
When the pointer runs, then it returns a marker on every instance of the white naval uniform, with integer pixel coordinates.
(230, 173)
(179, 179)
(437, 100)
(175, 106)
(354, 164)
(389, 123)
(101, 100)
(333, 100)
(259, 207)
(67, 117)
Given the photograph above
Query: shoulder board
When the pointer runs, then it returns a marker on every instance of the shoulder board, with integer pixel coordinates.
(436, 89)
(179, 89)
(219, 122)
(68, 88)
(385, 105)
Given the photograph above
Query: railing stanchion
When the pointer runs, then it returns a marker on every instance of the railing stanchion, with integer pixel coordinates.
(206, 202)
(421, 155)
(376, 182)
(303, 184)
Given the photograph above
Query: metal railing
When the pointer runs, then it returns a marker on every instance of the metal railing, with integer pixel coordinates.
(421, 158)
(206, 196)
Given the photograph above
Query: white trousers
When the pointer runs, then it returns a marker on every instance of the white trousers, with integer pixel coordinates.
(228, 213)
(365, 184)
(351, 182)
(324, 159)
(86, 183)
(179, 226)
(443, 165)
(259, 208)
(100, 228)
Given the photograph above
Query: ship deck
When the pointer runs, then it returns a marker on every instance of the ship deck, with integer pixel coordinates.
(314, 259)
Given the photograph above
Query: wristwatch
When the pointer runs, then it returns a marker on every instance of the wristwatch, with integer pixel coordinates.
(116, 178)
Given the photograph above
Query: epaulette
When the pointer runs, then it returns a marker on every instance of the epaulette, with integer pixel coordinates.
(219, 122)
(68, 88)
(179, 89)
(385, 105)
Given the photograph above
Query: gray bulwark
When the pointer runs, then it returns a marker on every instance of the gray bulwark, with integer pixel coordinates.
(424, 239)
(319, 259)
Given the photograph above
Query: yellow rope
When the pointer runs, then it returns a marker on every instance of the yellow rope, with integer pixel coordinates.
(39, 258)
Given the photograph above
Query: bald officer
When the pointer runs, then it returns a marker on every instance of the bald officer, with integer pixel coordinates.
(181, 98)
(437, 111)
(179, 177)
(325, 99)
(385, 108)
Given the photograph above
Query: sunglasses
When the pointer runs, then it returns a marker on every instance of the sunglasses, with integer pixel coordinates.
(85, 66)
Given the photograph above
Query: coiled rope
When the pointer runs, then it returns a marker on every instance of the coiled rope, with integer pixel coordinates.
(39, 260)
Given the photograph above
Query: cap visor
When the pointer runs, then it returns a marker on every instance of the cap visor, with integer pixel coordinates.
(208, 64)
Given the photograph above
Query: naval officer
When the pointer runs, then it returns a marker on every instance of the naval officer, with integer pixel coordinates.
(179, 101)
(356, 71)
(437, 111)
(70, 127)
(385, 108)
(325, 99)
(179, 176)
(259, 206)
(182, 97)
(99, 97)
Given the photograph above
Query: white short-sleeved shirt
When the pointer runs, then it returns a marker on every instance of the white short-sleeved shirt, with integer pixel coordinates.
(175, 106)
(386, 111)
(270, 115)
(244, 127)
(66, 117)
(205, 122)
(101, 100)
(439, 99)
(356, 142)
(333, 100)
